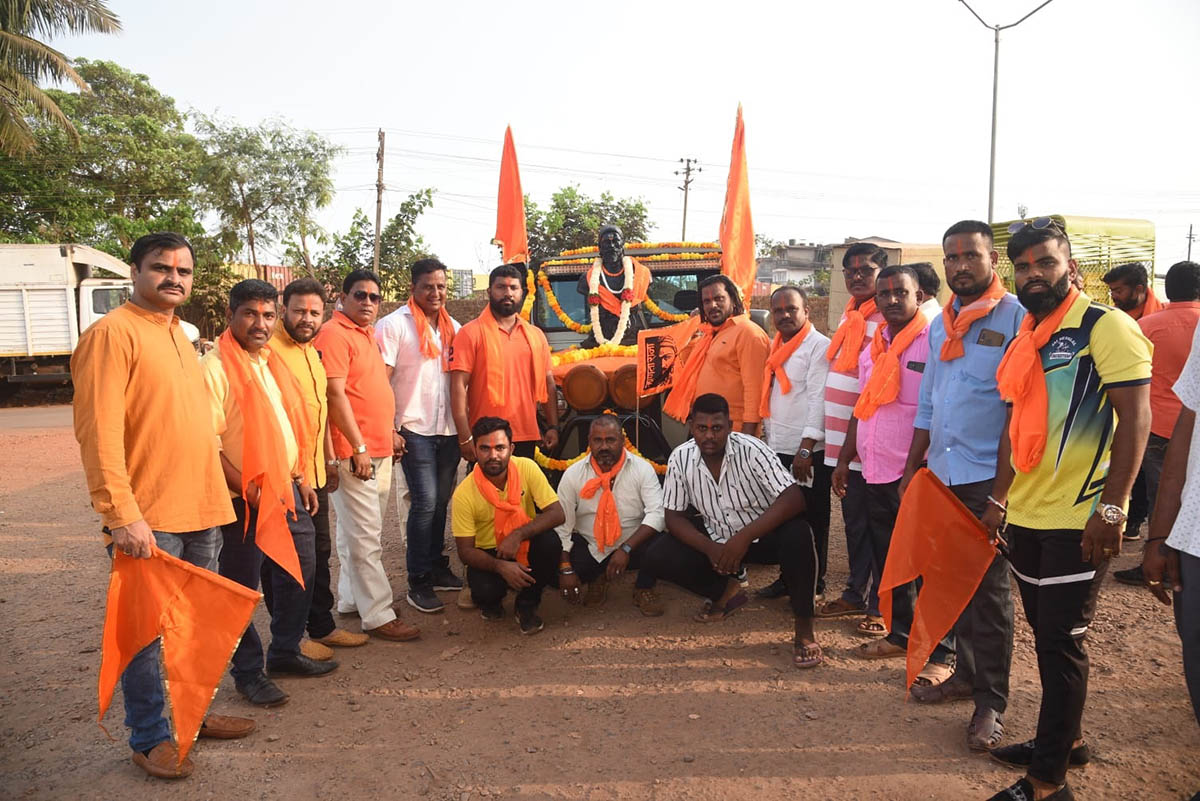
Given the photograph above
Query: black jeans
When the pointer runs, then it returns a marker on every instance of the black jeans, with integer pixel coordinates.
(790, 546)
(243, 562)
(588, 569)
(429, 464)
(488, 589)
(984, 632)
(1058, 591)
(320, 611)
(817, 508)
(883, 503)
(862, 585)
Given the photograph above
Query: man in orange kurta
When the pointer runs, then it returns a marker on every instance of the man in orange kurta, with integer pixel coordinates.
(150, 458)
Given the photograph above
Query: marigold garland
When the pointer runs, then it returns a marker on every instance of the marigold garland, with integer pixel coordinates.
(572, 355)
(656, 257)
(546, 463)
(657, 311)
(530, 293)
(556, 307)
(644, 246)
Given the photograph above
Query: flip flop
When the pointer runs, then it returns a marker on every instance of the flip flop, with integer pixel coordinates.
(840, 608)
(933, 675)
(871, 626)
(710, 614)
(880, 649)
(807, 656)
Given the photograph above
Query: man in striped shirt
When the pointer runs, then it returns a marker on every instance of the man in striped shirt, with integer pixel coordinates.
(750, 510)
(860, 265)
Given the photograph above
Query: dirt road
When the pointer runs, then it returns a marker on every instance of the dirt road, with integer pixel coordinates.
(603, 704)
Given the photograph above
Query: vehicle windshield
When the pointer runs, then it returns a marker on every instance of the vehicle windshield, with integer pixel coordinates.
(666, 289)
(105, 299)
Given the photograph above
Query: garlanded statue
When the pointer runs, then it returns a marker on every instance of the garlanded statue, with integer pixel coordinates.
(615, 287)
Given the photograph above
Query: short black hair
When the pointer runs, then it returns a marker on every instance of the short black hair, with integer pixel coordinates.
(709, 403)
(424, 267)
(971, 227)
(927, 277)
(868, 250)
(304, 286)
(605, 420)
(361, 274)
(490, 425)
(507, 271)
(1029, 236)
(899, 269)
(790, 288)
(730, 289)
(1133, 274)
(250, 290)
(162, 240)
(1183, 282)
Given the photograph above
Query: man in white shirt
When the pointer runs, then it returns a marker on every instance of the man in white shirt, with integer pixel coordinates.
(928, 284)
(614, 510)
(794, 415)
(415, 341)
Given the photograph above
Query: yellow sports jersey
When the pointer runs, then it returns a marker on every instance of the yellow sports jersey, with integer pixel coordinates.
(1095, 348)
(472, 516)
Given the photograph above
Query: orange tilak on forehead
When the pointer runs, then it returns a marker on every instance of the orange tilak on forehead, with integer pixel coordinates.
(891, 284)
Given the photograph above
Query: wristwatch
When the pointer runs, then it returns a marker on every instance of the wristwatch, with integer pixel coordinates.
(804, 453)
(1111, 513)
(625, 547)
(360, 448)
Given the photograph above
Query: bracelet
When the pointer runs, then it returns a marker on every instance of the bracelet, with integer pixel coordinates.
(465, 441)
(566, 572)
(997, 504)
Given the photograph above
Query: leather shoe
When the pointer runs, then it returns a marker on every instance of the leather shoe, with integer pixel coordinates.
(163, 762)
(340, 638)
(776, 589)
(985, 730)
(224, 727)
(396, 630)
(300, 665)
(261, 691)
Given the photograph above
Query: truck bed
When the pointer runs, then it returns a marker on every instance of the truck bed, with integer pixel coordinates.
(37, 321)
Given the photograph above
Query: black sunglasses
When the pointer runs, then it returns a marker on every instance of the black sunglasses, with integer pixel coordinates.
(362, 294)
(1038, 224)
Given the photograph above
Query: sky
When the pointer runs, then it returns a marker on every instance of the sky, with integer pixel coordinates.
(863, 117)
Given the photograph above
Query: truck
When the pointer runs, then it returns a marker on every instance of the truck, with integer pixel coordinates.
(49, 294)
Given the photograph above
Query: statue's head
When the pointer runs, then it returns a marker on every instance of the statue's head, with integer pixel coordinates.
(610, 243)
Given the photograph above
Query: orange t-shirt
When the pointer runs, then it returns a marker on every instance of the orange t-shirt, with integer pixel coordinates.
(143, 424)
(521, 409)
(350, 352)
(1170, 331)
(734, 369)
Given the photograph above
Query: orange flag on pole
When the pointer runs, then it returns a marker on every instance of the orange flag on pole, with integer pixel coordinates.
(658, 352)
(737, 230)
(938, 539)
(511, 235)
(200, 617)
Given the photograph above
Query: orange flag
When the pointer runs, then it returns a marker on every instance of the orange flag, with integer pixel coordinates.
(510, 207)
(200, 617)
(737, 230)
(937, 538)
(658, 354)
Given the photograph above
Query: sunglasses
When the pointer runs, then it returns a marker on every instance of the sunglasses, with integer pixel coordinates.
(1038, 224)
(362, 295)
(859, 271)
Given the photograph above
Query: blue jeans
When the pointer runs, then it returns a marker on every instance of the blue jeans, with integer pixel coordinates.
(429, 464)
(242, 561)
(141, 683)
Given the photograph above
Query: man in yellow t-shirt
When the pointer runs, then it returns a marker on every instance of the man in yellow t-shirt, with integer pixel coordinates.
(503, 495)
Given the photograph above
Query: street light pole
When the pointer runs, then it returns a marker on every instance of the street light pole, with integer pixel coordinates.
(996, 93)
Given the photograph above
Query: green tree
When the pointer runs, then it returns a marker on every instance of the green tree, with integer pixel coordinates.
(766, 246)
(26, 61)
(573, 219)
(265, 182)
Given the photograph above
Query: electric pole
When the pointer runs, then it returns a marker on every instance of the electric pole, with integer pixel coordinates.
(686, 172)
(1191, 238)
(378, 199)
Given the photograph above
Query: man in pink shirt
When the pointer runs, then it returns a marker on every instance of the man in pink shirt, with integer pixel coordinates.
(879, 435)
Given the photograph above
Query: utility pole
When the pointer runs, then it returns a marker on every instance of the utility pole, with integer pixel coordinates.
(1191, 238)
(378, 199)
(995, 93)
(686, 172)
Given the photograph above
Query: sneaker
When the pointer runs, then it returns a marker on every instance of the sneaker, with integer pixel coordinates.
(492, 613)
(445, 581)
(529, 621)
(648, 602)
(1131, 576)
(422, 598)
(1021, 755)
(776, 589)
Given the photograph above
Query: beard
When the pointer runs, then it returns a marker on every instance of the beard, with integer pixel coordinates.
(976, 288)
(1045, 302)
(300, 336)
(502, 307)
(1129, 304)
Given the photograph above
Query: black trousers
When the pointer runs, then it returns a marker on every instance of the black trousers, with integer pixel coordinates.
(488, 589)
(320, 611)
(525, 448)
(588, 569)
(790, 546)
(817, 505)
(1058, 591)
(984, 632)
(883, 503)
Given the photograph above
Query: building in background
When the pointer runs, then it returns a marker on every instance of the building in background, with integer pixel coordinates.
(464, 283)
(796, 263)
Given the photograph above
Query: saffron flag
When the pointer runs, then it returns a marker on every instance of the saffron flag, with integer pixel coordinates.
(938, 539)
(200, 617)
(511, 235)
(658, 354)
(737, 230)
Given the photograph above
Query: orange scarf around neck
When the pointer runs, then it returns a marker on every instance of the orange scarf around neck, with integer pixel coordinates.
(847, 341)
(1149, 306)
(497, 371)
(510, 513)
(958, 322)
(780, 352)
(263, 453)
(607, 529)
(1022, 381)
(883, 386)
(445, 328)
(679, 401)
(641, 285)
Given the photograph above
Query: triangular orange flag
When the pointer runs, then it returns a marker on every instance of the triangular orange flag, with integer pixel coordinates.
(199, 615)
(938, 539)
(511, 234)
(737, 229)
(658, 352)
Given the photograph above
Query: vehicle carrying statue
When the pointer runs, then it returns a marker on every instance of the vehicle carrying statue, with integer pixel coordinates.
(615, 287)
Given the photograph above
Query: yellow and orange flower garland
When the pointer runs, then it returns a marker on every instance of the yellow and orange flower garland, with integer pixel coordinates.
(646, 246)
(573, 355)
(546, 463)
(530, 293)
(583, 328)
(657, 311)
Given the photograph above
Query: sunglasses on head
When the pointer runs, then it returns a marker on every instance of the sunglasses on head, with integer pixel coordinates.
(362, 295)
(1038, 224)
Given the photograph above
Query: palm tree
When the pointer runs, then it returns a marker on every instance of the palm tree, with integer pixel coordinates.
(25, 62)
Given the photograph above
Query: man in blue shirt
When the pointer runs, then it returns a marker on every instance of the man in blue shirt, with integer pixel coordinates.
(959, 421)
